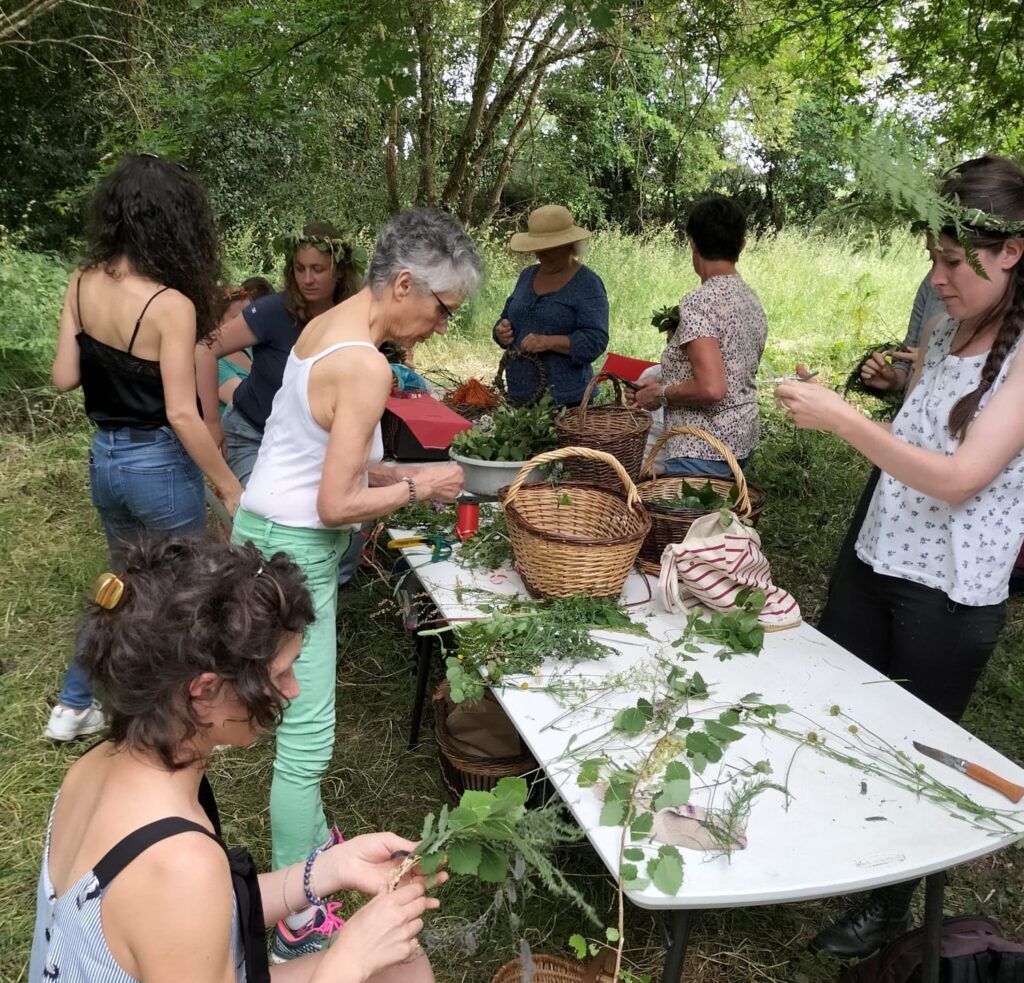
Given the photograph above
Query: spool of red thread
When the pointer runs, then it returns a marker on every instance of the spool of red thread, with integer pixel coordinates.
(467, 519)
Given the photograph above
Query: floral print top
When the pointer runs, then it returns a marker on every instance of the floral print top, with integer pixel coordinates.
(726, 309)
(967, 551)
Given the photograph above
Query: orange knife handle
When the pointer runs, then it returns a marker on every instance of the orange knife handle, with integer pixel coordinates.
(1013, 792)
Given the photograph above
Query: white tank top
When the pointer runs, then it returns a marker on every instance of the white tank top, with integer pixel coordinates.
(286, 478)
(968, 552)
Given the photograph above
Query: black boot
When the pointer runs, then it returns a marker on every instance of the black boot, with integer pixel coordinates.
(879, 918)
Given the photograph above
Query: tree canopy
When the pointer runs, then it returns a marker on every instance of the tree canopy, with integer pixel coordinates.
(624, 110)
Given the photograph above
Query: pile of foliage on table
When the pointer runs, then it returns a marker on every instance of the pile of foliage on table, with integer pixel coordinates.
(510, 434)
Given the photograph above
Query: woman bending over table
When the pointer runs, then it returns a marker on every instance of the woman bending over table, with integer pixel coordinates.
(709, 366)
(558, 311)
(924, 600)
(193, 647)
(318, 477)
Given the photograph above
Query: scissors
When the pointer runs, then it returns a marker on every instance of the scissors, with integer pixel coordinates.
(440, 545)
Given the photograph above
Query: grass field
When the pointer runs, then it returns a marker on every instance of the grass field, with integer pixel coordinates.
(825, 302)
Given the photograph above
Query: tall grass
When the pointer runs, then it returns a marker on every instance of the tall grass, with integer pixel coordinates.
(826, 298)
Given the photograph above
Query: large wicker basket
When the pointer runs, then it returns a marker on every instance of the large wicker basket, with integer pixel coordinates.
(616, 429)
(499, 377)
(576, 537)
(669, 524)
(464, 772)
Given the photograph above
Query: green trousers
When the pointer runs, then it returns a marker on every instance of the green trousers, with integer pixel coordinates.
(305, 738)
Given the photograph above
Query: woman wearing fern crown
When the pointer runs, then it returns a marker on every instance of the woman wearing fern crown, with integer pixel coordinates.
(925, 599)
(321, 270)
(318, 477)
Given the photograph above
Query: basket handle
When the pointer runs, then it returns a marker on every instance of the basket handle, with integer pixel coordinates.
(581, 410)
(632, 496)
(499, 376)
(743, 508)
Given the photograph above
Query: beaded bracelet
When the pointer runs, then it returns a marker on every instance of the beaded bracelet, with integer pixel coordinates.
(412, 488)
(307, 877)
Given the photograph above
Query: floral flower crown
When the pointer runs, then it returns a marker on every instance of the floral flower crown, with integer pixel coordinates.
(340, 250)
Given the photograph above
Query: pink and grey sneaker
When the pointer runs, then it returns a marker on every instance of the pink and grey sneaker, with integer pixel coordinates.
(318, 934)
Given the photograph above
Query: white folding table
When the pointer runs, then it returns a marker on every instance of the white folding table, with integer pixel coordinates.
(841, 830)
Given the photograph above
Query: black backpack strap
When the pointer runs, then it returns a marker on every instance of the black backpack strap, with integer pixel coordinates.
(138, 323)
(245, 882)
(126, 850)
(209, 804)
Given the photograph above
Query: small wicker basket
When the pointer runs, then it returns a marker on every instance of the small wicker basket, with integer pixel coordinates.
(669, 524)
(462, 772)
(616, 429)
(499, 377)
(553, 969)
(576, 537)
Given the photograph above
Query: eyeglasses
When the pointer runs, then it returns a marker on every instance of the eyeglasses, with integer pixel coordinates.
(446, 312)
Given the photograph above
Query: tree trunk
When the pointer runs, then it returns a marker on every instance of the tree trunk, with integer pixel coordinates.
(426, 190)
(391, 163)
(509, 154)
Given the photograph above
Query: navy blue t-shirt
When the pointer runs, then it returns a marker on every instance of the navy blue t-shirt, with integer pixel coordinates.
(276, 332)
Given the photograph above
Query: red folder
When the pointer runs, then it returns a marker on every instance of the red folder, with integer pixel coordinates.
(429, 423)
(623, 365)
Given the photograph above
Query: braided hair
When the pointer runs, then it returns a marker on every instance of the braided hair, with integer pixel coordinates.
(994, 185)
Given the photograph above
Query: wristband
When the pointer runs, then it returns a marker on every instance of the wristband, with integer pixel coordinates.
(412, 488)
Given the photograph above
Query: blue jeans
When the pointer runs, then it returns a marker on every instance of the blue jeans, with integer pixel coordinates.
(696, 465)
(142, 481)
(243, 444)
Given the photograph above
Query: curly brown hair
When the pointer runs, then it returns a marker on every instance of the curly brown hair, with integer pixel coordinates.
(191, 606)
(347, 284)
(994, 185)
(156, 215)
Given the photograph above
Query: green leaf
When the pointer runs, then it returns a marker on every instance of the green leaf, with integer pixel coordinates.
(633, 853)
(428, 827)
(684, 723)
(630, 721)
(628, 872)
(666, 871)
(722, 733)
(697, 685)
(676, 771)
(578, 944)
(611, 934)
(637, 884)
(751, 698)
(479, 803)
(590, 772)
(729, 717)
(674, 793)
(641, 827)
(431, 862)
(464, 857)
(613, 812)
(513, 789)
(493, 865)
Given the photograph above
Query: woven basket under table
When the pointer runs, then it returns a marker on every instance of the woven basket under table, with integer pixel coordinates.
(548, 969)
(616, 429)
(463, 772)
(576, 537)
(670, 525)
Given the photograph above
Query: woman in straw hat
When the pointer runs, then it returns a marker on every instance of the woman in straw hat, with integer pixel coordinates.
(558, 311)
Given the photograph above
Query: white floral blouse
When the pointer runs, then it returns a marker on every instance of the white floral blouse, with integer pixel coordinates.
(726, 309)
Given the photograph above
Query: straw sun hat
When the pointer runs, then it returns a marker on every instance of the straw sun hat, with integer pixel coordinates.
(549, 226)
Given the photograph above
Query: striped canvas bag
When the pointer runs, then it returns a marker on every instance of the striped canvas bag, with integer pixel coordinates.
(717, 559)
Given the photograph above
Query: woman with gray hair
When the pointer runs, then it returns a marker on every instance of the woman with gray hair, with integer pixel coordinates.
(318, 476)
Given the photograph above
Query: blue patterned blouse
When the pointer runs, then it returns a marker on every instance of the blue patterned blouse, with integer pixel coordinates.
(579, 310)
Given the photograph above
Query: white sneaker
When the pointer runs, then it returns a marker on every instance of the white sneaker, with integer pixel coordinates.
(66, 724)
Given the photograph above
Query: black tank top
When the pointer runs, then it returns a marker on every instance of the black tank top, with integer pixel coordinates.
(121, 389)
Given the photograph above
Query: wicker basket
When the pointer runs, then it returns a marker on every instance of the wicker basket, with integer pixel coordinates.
(616, 429)
(555, 969)
(471, 412)
(499, 377)
(462, 772)
(574, 538)
(670, 525)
